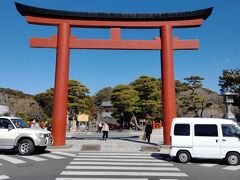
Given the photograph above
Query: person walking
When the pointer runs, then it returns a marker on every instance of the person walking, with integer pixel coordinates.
(105, 130)
(148, 131)
(99, 127)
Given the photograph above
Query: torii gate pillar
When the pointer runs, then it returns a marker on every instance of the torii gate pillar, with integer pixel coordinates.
(168, 83)
(61, 84)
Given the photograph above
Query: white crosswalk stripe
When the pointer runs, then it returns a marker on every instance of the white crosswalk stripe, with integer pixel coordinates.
(122, 173)
(102, 179)
(118, 166)
(121, 163)
(232, 168)
(124, 168)
(117, 157)
(34, 158)
(208, 165)
(118, 160)
(4, 177)
(113, 154)
(17, 159)
(11, 159)
(64, 153)
(53, 156)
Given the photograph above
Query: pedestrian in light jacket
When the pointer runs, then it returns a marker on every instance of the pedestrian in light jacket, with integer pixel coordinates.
(105, 130)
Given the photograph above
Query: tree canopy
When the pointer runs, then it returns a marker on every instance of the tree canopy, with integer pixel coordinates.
(192, 102)
(102, 95)
(150, 97)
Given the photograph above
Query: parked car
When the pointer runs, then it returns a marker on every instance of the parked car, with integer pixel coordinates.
(16, 133)
(205, 138)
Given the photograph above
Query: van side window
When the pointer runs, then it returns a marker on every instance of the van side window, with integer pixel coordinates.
(229, 130)
(182, 129)
(206, 130)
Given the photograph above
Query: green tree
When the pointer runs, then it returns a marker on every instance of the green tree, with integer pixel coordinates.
(124, 99)
(45, 100)
(193, 101)
(150, 95)
(230, 82)
(102, 95)
(78, 101)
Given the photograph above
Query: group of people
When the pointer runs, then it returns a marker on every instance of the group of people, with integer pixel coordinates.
(104, 128)
(40, 125)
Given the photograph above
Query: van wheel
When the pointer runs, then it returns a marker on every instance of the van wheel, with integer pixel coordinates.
(25, 147)
(183, 156)
(233, 158)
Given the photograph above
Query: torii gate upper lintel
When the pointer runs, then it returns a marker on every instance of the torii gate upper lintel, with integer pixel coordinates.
(63, 42)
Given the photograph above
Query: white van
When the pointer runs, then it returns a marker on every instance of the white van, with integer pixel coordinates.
(205, 138)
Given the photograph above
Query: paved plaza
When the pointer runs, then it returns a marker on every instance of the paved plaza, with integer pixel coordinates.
(125, 141)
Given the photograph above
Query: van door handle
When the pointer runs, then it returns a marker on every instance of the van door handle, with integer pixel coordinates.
(216, 140)
(223, 139)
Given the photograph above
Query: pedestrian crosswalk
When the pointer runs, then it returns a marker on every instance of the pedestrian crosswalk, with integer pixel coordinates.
(120, 166)
(16, 159)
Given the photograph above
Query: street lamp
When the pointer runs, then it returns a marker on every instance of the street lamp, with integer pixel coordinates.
(228, 99)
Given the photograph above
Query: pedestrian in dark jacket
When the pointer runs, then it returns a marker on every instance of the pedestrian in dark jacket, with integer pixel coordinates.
(148, 131)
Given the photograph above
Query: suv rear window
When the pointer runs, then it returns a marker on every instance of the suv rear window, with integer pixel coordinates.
(206, 130)
(182, 130)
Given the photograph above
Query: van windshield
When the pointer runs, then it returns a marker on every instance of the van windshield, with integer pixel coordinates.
(19, 123)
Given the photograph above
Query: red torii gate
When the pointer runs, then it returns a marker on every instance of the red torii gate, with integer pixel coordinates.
(63, 42)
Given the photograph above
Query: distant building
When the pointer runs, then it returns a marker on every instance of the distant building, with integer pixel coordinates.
(106, 109)
(105, 114)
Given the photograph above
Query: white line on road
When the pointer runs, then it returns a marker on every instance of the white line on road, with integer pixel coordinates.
(11, 159)
(0, 164)
(114, 154)
(168, 179)
(118, 157)
(102, 178)
(4, 177)
(124, 168)
(118, 160)
(121, 163)
(52, 156)
(232, 168)
(208, 165)
(64, 153)
(34, 158)
(122, 173)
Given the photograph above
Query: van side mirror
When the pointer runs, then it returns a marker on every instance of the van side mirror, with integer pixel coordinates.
(10, 127)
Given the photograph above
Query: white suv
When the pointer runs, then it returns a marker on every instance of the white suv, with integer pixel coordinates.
(15, 133)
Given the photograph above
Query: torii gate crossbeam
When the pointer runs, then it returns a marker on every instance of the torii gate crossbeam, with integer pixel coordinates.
(63, 42)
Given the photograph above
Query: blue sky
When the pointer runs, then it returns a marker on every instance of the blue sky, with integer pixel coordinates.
(32, 70)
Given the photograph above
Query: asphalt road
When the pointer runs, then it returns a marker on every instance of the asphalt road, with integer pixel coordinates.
(110, 166)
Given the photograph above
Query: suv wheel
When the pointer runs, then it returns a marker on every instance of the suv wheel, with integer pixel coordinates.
(25, 147)
(233, 158)
(183, 156)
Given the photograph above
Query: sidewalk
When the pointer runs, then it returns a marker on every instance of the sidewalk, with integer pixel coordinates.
(125, 141)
